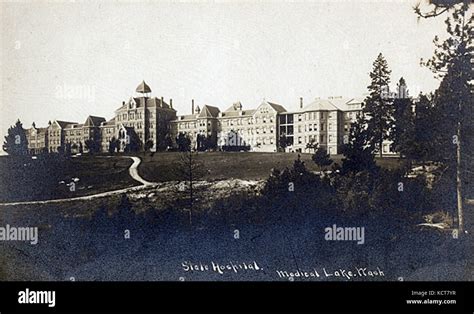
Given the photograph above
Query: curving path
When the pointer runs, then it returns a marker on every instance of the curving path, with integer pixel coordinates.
(133, 171)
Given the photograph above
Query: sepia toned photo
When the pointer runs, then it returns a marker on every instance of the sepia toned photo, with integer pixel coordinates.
(276, 141)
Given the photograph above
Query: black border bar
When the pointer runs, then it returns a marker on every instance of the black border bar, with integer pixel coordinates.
(240, 296)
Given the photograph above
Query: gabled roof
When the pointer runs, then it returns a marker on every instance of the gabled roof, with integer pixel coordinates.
(38, 130)
(109, 123)
(236, 106)
(209, 112)
(320, 104)
(64, 124)
(74, 126)
(278, 108)
(357, 100)
(348, 104)
(229, 114)
(150, 102)
(156, 102)
(186, 117)
(94, 121)
(127, 128)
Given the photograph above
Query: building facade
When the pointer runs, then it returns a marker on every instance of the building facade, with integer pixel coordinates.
(149, 123)
(270, 127)
(37, 139)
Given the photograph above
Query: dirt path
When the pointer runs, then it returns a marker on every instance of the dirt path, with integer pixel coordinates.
(133, 171)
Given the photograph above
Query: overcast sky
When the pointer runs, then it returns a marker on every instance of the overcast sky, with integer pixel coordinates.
(71, 59)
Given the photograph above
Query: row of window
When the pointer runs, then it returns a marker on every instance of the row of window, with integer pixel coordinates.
(136, 116)
(130, 116)
(136, 125)
(194, 124)
(251, 120)
(352, 115)
(251, 131)
(314, 127)
(315, 115)
(257, 141)
(322, 139)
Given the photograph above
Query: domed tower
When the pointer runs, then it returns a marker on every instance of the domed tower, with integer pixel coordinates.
(143, 89)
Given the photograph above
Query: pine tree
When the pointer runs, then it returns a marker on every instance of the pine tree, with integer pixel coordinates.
(420, 134)
(299, 167)
(16, 142)
(321, 158)
(359, 151)
(190, 170)
(452, 62)
(377, 106)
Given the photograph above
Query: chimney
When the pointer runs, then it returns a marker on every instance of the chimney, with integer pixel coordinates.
(301, 102)
(161, 103)
(171, 103)
(192, 106)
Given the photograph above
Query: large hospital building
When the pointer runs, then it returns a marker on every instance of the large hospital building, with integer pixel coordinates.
(152, 123)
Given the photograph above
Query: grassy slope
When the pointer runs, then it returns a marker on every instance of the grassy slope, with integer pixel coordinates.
(27, 179)
(225, 165)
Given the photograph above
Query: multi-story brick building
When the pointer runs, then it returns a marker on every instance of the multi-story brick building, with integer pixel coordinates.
(57, 135)
(145, 122)
(323, 121)
(200, 123)
(37, 139)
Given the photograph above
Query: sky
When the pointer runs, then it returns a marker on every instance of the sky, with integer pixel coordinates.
(67, 60)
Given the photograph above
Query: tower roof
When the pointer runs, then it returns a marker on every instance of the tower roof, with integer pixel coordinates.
(143, 88)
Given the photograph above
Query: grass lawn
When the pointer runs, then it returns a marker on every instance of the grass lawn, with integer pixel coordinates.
(24, 178)
(225, 165)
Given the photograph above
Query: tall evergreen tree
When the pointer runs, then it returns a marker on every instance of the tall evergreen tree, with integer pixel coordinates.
(16, 143)
(452, 61)
(377, 106)
(418, 142)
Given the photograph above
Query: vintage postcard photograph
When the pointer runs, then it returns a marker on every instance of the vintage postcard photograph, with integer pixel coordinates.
(276, 141)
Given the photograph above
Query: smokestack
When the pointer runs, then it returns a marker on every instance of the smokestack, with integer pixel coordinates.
(301, 102)
(171, 103)
(192, 106)
(161, 101)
